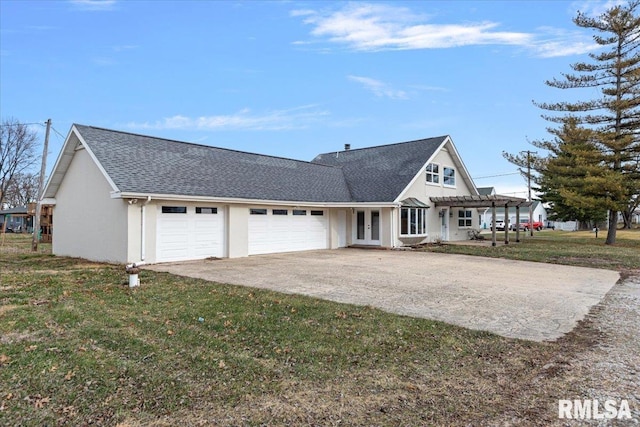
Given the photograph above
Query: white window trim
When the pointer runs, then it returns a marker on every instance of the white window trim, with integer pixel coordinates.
(455, 177)
(424, 216)
(435, 184)
(465, 218)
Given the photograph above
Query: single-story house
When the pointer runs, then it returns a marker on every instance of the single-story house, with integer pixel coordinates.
(539, 214)
(123, 197)
(16, 220)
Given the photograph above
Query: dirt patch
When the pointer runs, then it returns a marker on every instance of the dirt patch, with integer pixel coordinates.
(16, 337)
(7, 308)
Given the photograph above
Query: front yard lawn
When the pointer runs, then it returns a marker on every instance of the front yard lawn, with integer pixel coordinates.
(78, 347)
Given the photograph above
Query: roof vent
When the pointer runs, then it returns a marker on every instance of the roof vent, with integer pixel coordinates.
(347, 147)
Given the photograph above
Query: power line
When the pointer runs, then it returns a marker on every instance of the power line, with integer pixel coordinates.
(4, 125)
(59, 134)
(494, 176)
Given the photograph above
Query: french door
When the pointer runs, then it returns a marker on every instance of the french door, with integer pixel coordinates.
(367, 227)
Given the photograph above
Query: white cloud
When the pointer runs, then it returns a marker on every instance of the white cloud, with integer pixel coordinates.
(379, 88)
(371, 27)
(594, 9)
(553, 42)
(375, 27)
(123, 48)
(294, 118)
(94, 4)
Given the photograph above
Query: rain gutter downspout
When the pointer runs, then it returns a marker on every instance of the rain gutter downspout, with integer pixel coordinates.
(143, 234)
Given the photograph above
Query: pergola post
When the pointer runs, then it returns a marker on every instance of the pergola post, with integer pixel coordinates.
(506, 224)
(493, 223)
(518, 224)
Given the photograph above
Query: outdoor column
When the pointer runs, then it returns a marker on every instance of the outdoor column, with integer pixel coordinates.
(506, 224)
(493, 223)
(518, 224)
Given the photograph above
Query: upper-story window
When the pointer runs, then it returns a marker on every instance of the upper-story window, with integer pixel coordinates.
(433, 173)
(449, 176)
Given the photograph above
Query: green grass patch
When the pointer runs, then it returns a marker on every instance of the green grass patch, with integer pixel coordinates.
(78, 347)
(560, 247)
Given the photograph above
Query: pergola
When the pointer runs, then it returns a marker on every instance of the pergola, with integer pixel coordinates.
(489, 201)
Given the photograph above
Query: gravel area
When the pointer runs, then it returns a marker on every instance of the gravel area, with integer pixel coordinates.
(611, 368)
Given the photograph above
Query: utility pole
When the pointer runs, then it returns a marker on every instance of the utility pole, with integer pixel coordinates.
(43, 168)
(529, 188)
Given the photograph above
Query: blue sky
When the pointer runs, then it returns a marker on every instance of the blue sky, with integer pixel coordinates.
(295, 78)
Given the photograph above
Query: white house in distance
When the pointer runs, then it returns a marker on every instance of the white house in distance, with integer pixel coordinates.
(123, 197)
(539, 214)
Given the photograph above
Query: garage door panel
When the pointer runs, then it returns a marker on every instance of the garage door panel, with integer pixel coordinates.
(184, 236)
(285, 233)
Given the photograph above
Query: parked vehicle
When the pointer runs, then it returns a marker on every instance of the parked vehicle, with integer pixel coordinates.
(499, 225)
(537, 225)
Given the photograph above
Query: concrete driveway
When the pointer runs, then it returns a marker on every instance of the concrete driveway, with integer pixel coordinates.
(516, 299)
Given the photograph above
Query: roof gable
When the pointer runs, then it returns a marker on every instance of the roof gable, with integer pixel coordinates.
(380, 174)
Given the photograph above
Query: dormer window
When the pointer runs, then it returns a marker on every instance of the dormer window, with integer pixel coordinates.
(433, 173)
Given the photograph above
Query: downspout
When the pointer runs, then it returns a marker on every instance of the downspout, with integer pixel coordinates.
(394, 224)
(143, 225)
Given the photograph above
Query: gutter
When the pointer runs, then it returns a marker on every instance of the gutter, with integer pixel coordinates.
(256, 202)
(143, 234)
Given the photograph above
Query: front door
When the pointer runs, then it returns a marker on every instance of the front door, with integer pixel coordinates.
(367, 227)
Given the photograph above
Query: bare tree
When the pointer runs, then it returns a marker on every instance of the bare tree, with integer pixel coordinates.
(22, 190)
(17, 152)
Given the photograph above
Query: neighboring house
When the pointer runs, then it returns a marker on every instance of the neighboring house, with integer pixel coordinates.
(539, 214)
(123, 197)
(15, 219)
(487, 191)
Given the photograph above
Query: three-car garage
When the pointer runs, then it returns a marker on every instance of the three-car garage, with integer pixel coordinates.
(198, 232)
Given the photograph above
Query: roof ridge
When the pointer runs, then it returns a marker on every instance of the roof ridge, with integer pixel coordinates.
(387, 145)
(203, 145)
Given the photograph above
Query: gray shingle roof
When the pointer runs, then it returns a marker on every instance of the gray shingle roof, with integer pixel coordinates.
(16, 210)
(144, 164)
(486, 191)
(379, 174)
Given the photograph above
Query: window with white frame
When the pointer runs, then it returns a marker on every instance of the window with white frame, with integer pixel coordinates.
(465, 218)
(413, 221)
(449, 176)
(433, 173)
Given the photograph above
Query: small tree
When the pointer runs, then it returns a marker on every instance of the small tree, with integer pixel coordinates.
(17, 152)
(22, 190)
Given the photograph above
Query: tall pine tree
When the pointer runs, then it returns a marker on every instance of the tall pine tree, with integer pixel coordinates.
(612, 120)
(573, 179)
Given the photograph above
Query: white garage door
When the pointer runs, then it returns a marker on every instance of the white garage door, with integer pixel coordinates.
(287, 230)
(187, 232)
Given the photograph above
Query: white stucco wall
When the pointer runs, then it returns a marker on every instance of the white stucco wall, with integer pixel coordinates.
(422, 191)
(238, 231)
(87, 222)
